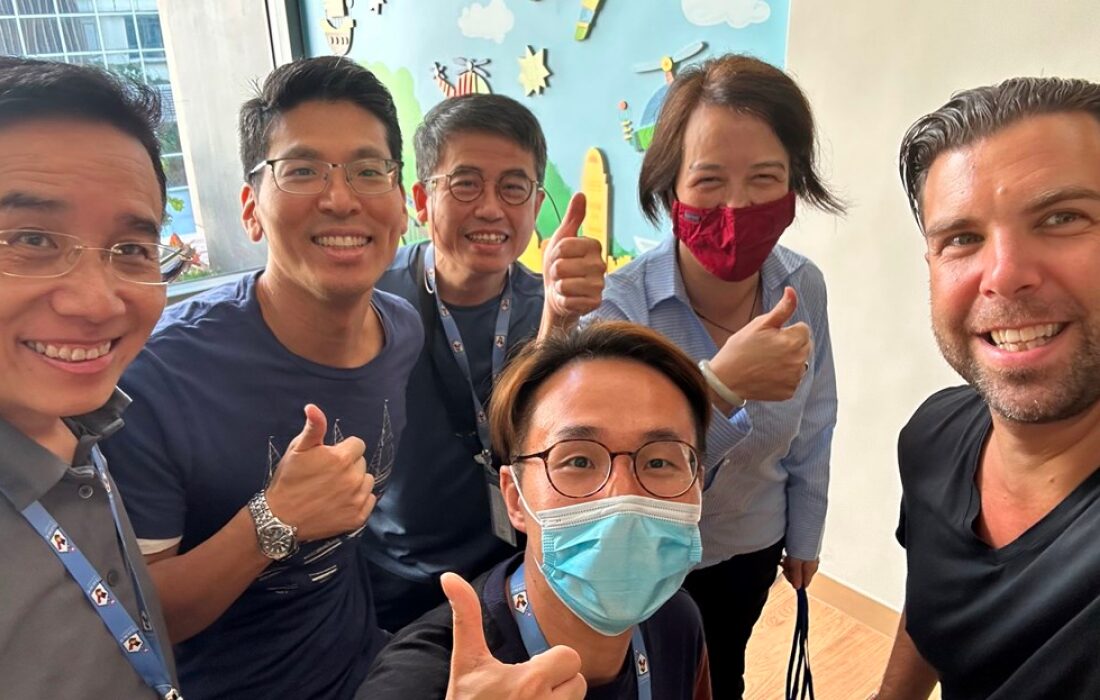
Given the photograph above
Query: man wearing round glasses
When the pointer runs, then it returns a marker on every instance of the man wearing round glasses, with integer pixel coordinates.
(480, 160)
(610, 502)
(82, 282)
(251, 522)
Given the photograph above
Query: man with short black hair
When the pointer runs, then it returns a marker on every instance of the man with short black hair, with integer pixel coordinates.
(249, 520)
(1000, 507)
(82, 282)
(610, 501)
(481, 160)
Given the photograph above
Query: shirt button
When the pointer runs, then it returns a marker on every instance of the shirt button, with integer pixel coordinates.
(112, 578)
(85, 491)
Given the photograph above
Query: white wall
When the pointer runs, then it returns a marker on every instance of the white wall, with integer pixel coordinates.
(870, 68)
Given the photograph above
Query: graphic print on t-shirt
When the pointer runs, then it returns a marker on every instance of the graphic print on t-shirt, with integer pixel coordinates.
(380, 466)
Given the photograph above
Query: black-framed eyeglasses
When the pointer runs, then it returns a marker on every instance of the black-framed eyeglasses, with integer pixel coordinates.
(368, 176)
(580, 468)
(467, 185)
(35, 253)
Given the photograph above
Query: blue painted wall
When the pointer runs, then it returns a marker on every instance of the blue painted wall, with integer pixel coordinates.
(580, 107)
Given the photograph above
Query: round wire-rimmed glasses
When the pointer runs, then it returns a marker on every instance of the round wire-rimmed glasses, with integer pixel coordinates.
(467, 185)
(34, 253)
(308, 176)
(580, 468)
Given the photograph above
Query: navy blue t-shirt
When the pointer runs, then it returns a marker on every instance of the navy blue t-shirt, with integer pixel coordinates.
(434, 516)
(1021, 621)
(416, 663)
(217, 398)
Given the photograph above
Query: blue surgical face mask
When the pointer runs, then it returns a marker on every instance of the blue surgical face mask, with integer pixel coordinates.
(615, 561)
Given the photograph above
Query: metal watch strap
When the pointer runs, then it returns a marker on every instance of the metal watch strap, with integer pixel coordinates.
(263, 518)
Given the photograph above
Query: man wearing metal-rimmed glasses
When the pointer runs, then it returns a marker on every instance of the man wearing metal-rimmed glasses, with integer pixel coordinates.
(251, 522)
(82, 282)
(480, 162)
(604, 429)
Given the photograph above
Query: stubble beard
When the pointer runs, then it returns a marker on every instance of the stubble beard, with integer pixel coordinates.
(1032, 396)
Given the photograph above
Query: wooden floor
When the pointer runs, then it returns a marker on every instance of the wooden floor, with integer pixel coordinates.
(846, 656)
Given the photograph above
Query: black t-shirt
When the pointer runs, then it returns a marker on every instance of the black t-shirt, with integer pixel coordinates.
(1014, 623)
(416, 663)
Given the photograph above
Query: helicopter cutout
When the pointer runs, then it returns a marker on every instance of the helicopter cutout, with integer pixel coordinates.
(642, 136)
(338, 26)
(472, 79)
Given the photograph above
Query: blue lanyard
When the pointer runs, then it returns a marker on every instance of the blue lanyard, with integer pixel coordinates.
(535, 643)
(458, 349)
(138, 644)
(800, 682)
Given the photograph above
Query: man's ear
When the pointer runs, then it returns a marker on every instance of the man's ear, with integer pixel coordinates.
(516, 512)
(540, 197)
(420, 202)
(252, 225)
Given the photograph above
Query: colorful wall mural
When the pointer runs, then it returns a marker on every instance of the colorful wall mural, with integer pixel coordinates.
(594, 72)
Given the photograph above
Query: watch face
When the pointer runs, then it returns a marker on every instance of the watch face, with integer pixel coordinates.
(278, 541)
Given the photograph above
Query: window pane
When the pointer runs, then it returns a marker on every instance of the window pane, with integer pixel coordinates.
(93, 59)
(69, 7)
(7, 7)
(167, 104)
(36, 7)
(41, 36)
(9, 38)
(80, 34)
(156, 72)
(173, 168)
(118, 32)
(149, 32)
(145, 5)
(170, 137)
(124, 65)
(114, 5)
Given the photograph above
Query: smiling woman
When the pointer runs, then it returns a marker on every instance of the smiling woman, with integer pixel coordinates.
(732, 152)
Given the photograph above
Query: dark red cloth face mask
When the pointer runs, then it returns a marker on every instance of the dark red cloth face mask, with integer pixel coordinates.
(732, 244)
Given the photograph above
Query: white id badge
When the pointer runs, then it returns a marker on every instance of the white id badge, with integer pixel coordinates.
(498, 512)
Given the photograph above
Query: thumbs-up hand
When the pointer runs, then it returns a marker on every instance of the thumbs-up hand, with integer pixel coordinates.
(572, 270)
(766, 359)
(323, 491)
(477, 675)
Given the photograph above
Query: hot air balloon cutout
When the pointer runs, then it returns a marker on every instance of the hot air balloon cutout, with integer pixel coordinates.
(640, 137)
(338, 27)
(532, 71)
(589, 8)
(472, 79)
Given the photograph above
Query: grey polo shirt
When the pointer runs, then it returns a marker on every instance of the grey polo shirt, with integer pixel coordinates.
(52, 643)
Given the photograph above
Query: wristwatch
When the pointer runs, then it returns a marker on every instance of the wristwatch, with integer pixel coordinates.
(277, 539)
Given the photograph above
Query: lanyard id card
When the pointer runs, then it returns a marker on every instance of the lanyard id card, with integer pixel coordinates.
(498, 513)
(535, 642)
(137, 643)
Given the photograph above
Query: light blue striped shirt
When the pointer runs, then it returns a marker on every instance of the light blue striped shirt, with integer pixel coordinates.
(774, 456)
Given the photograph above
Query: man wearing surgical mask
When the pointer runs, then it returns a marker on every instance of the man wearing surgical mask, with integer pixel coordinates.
(610, 501)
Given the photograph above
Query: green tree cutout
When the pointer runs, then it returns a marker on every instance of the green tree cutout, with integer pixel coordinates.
(557, 191)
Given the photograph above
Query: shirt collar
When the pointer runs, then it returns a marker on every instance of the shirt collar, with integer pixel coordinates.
(663, 279)
(28, 470)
